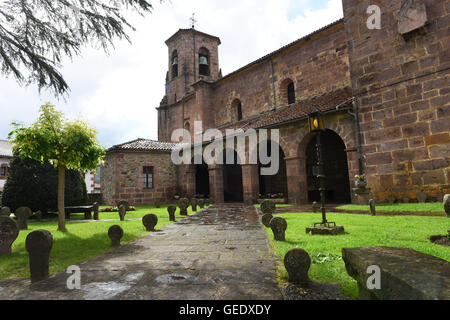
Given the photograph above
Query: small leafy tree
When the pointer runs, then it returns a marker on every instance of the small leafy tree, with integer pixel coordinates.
(65, 144)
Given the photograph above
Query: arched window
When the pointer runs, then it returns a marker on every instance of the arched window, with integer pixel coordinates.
(203, 62)
(237, 106)
(291, 93)
(187, 126)
(175, 64)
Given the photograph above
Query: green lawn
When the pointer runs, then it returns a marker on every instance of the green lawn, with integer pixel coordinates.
(362, 230)
(83, 240)
(411, 207)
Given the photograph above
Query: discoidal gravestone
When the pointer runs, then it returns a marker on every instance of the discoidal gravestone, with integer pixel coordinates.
(9, 231)
(22, 214)
(150, 221)
(447, 204)
(5, 212)
(183, 203)
(115, 233)
(266, 218)
(201, 203)
(373, 211)
(194, 204)
(278, 226)
(297, 263)
(268, 206)
(122, 212)
(172, 210)
(39, 244)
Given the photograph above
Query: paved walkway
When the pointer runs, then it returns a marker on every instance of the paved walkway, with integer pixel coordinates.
(220, 253)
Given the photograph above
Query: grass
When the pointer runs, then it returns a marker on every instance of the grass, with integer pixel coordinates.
(406, 207)
(411, 231)
(83, 240)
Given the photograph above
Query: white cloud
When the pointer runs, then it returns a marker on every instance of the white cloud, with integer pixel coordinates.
(118, 93)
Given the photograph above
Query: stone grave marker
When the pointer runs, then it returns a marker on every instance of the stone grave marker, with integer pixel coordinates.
(194, 204)
(266, 218)
(125, 203)
(172, 210)
(150, 221)
(278, 226)
(157, 204)
(315, 207)
(372, 205)
(447, 204)
(115, 233)
(268, 206)
(96, 211)
(122, 212)
(39, 215)
(297, 263)
(9, 231)
(422, 197)
(39, 244)
(183, 203)
(5, 212)
(201, 203)
(22, 214)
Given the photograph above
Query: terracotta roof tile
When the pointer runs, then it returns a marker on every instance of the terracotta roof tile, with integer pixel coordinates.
(144, 145)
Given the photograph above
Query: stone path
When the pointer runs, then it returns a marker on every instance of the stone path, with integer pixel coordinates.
(221, 253)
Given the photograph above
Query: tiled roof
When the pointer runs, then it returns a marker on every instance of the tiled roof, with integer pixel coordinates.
(300, 110)
(5, 149)
(144, 145)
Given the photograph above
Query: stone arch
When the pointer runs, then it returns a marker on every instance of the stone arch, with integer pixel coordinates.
(174, 63)
(336, 167)
(204, 62)
(236, 109)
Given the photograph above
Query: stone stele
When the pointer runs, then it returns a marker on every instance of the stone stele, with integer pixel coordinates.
(297, 263)
(183, 203)
(447, 204)
(122, 212)
(124, 203)
(278, 226)
(9, 231)
(172, 210)
(266, 218)
(194, 204)
(39, 244)
(150, 221)
(268, 206)
(22, 214)
(115, 233)
(373, 211)
(5, 212)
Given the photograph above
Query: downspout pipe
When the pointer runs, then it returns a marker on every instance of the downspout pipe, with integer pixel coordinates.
(355, 116)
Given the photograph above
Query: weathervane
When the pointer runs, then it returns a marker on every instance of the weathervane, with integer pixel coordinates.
(193, 21)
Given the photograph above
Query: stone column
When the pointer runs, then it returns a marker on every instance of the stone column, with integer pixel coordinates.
(250, 182)
(190, 179)
(216, 183)
(296, 180)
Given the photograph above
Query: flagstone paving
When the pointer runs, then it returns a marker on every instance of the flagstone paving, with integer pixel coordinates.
(221, 253)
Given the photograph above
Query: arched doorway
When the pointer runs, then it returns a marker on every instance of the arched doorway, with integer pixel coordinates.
(337, 182)
(202, 180)
(232, 180)
(274, 186)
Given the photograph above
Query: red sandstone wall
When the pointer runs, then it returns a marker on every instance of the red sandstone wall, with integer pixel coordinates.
(316, 66)
(403, 96)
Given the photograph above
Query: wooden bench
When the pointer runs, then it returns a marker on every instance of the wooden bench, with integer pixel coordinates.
(405, 274)
(87, 210)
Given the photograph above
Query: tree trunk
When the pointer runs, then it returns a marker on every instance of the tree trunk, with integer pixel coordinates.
(61, 185)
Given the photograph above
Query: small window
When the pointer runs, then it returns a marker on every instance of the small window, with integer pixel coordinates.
(175, 64)
(148, 177)
(97, 176)
(3, 172)
(239, 111)
(291, 93)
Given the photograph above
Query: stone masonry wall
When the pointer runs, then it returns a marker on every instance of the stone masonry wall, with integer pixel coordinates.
(122, 178)
(402, 85)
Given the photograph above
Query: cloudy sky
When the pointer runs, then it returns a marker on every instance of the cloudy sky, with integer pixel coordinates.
(118, 93)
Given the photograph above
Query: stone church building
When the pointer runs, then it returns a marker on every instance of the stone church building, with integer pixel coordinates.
(384, 93)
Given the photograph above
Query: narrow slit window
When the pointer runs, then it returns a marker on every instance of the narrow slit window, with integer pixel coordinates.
(148, 178)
